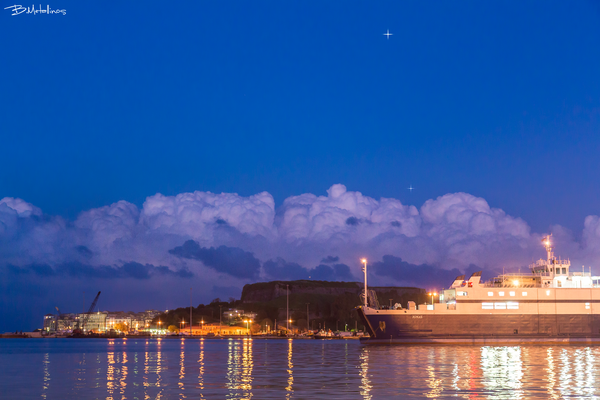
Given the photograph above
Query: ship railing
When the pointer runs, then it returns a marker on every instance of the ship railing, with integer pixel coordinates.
(513, 274)
(581, 273)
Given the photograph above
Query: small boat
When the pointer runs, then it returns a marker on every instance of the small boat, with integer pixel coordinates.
(324, 335)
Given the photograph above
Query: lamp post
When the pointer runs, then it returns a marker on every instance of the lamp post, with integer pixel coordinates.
(220, 315)
(287, 312)
(432, 294)
(159, 323)
(307, 318)
(364, 261)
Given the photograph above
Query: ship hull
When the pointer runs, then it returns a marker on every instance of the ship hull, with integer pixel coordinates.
(480, 329)
(485, 341)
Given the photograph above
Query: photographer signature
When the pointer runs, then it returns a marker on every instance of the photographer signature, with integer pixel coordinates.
(19, 9)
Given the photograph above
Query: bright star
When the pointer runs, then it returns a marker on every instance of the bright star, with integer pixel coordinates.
(388, 34)
(410, 188)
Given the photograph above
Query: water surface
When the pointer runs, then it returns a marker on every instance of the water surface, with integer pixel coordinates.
(289, 369)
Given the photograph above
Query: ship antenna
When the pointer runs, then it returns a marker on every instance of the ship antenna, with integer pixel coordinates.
(548, 245)
(364, 261)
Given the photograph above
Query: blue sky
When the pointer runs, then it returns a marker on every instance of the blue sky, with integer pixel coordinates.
(497, 99)
(500, 100)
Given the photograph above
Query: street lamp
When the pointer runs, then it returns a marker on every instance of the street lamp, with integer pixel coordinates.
(159, 323)
(432, 294)
(364, 261)
(220, 315)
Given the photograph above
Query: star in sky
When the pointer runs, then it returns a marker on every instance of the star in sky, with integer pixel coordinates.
(388, 34)
(410, 188)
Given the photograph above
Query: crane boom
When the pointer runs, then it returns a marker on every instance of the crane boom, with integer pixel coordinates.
(87, 315)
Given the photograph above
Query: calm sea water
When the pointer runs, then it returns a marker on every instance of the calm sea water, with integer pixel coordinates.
(289, 369)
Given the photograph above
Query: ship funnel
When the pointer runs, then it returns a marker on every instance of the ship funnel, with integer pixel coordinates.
(458, 282)
(475, 279)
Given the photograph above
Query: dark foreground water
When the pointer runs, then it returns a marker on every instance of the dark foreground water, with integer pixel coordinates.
(289, 369)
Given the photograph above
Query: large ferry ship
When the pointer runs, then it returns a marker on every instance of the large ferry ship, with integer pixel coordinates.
(550, 305)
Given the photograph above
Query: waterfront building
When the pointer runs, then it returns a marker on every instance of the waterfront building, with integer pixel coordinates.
(66, 323)
(216, 330)
(96, 321)
(50, 322)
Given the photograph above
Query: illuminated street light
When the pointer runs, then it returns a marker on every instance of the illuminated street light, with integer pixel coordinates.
(364, 261)
(432, 294)
(516, 282)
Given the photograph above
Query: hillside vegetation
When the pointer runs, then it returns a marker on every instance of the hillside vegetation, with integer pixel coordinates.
(331, 305)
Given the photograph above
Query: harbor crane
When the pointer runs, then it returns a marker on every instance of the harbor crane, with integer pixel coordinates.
(86, 316)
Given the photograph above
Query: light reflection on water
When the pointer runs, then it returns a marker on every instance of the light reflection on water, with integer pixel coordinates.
(244, 368)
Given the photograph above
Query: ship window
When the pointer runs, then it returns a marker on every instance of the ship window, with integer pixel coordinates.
(500, 306)
(547, 293)
(587, 306)
(564, 271)
(461, 293)
(524, 294)
(487, 306)
(490, 293)
(512, 305)
(500, 293)
(512, 293)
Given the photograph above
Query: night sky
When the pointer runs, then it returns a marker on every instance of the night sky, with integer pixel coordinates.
(150, 148)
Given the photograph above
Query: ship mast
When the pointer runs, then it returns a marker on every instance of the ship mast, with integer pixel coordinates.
(549, 248)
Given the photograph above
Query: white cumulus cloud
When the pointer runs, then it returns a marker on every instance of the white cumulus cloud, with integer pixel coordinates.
(451, 231)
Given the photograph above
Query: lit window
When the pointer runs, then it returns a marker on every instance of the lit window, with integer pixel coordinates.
(430, 306)
(461, 293)
(587, 306)
(500, 306)
(547, 293)
(500, 293)
(511, 293)
(487, 306)
(524, 294)
(490, 293)
(512, 305)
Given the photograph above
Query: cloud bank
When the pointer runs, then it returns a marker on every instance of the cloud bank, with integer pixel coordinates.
(244, 239)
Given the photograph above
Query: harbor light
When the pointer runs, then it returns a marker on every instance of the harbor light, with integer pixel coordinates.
(432, 294)
(364, 269)
(516, 282)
